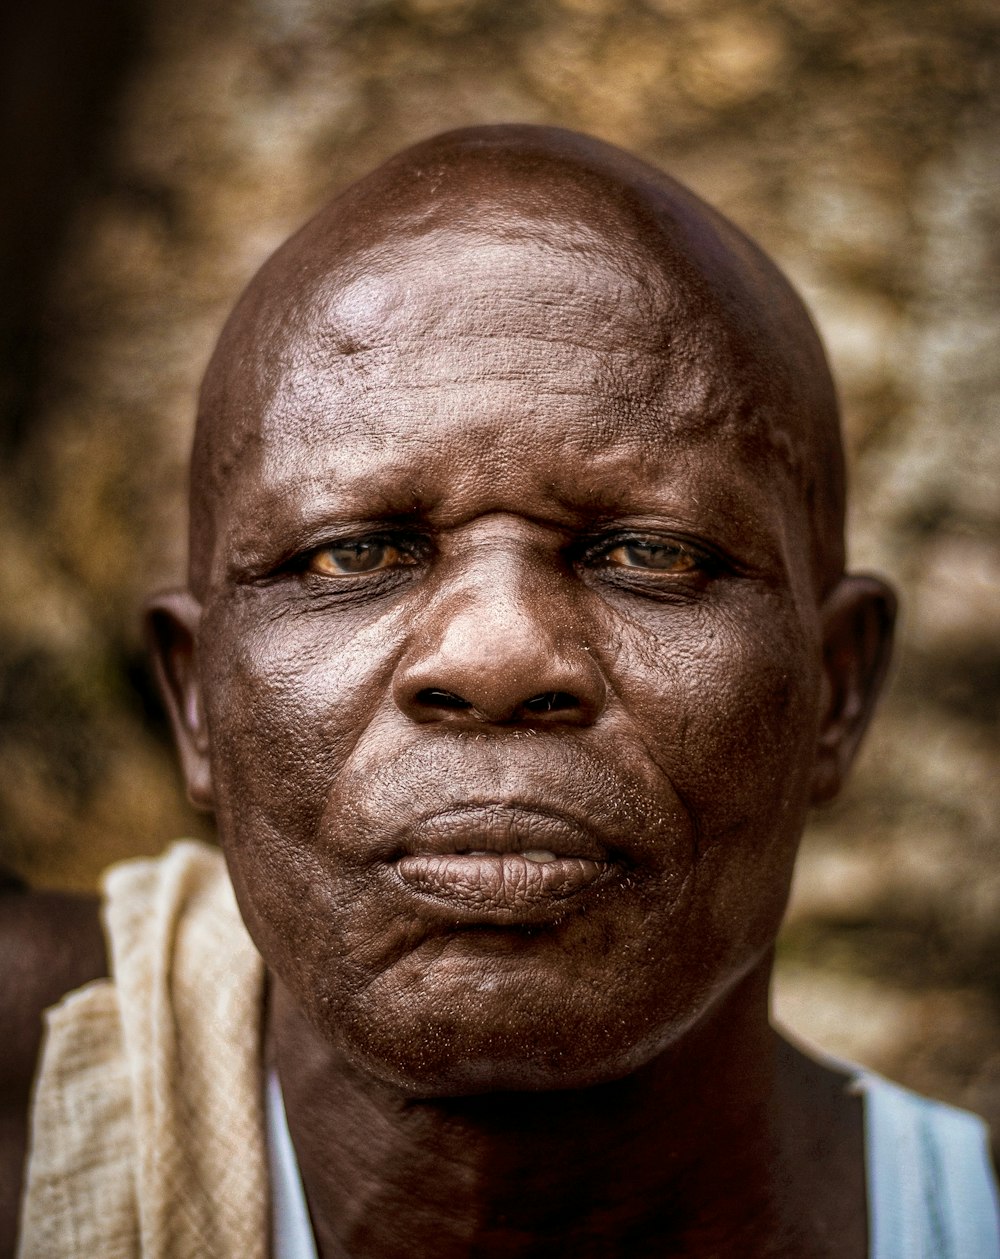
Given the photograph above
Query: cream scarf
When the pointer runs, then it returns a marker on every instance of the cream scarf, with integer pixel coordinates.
(147, 1125)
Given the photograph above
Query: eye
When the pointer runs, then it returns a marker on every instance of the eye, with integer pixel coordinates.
(357, 556)
(659, 557)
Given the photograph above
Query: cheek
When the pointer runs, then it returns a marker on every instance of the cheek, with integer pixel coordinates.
(288, 698)
(725, 699)
(720, 689)
(729, 714)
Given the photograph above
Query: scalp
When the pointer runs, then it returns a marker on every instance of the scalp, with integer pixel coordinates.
(570, 192)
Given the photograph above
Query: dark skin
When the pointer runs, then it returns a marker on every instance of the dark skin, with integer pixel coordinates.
(518, 646)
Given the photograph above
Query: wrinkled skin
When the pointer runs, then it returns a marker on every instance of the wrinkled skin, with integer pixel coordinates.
(516, 530)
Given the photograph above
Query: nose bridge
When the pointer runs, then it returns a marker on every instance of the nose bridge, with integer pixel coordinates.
(503, 630)
(509, 594)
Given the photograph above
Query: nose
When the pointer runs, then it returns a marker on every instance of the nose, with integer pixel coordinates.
(502, 646)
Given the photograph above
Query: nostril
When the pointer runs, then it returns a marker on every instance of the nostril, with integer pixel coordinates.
(441, 699)
(551, 702)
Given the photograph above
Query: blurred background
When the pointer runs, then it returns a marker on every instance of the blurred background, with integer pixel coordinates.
(155, 151)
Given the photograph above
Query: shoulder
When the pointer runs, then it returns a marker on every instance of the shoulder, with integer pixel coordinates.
(50, 943)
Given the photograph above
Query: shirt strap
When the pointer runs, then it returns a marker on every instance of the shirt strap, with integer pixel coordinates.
(931, 1189)
(291, 1228)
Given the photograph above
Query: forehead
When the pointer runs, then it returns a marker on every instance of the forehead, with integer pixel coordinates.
(457, 329)
(535, 361)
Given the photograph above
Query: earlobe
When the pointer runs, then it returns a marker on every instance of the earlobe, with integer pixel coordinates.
(858, 619)
(172, 620)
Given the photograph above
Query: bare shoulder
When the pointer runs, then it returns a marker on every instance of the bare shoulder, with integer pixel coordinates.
(50, 943)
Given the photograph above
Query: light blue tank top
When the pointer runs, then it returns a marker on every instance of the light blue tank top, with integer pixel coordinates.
(931, 1191)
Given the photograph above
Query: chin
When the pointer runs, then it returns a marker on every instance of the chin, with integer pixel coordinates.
(429, 1069)
(442, 1048)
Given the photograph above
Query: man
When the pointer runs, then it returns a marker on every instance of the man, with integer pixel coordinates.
(517, 646)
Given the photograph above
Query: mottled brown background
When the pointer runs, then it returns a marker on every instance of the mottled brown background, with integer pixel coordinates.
(155, 152)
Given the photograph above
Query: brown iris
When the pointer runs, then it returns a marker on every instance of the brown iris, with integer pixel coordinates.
(366, 555)
(661, 557)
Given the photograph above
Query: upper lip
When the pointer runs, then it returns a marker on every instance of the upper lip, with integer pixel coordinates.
(500, 828)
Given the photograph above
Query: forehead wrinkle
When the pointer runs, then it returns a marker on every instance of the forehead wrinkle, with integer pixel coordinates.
(499, 289)
(655, 305)
(653, 351)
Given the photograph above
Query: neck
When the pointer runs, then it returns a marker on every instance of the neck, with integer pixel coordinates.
(701, 1152)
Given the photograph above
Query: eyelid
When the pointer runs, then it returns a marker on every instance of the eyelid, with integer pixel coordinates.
(404, 541)
(704, 554)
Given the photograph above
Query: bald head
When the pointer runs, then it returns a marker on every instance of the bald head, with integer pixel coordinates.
(718, 337)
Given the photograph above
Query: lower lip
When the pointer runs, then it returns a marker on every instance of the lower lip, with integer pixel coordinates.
(499, 882)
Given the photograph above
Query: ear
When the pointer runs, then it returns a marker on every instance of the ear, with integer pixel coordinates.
(172, 620)
(857, 618)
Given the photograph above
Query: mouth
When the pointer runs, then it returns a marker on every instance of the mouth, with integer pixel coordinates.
(502, 862)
